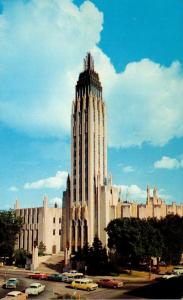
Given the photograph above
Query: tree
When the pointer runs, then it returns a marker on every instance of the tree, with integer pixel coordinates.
(125, 238)
(171, 228)
(134, 239)
(10, 226)
(41, 249)
(94, 258)
(152, 239)
(98, 258)
(20, 256)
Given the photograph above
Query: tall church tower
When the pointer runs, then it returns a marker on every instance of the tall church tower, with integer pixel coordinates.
(89, 202)
(88, 151)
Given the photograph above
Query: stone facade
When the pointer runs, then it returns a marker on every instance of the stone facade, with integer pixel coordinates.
(155, 207)
(40, 224)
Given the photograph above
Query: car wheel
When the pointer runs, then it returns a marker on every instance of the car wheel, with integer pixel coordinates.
(115, 286)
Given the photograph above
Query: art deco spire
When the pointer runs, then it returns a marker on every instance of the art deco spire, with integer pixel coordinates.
(88, 62)
(88, 81)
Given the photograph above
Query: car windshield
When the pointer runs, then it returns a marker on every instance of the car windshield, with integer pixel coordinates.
(105, 280)
(11, 280)
(33, 286)
(88, 281)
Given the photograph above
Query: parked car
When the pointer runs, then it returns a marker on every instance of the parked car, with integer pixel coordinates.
(55, 277)
(38, 275)
(11, 283)
(70, 277)
(73, 271)
(84, 284)
(178, 270)
(15, 295)
(35, 288)
(110, 283)
(168, 276)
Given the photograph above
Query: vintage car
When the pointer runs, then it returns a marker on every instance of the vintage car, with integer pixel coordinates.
(73, 271)
(55, 277)
(15, 295)
(110, 283)
(35, 288)
(84, 284)
(178, 270)
(70, 277)
(38, 275)
(11, 283)
(168, 276)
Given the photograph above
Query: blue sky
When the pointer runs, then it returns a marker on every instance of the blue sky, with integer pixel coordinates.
(138, 52)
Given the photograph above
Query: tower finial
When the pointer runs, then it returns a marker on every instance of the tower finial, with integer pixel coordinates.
(148, 194)
(88, 62)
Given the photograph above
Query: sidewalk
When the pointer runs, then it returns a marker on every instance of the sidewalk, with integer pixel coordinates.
(143, 277)
(13, 268)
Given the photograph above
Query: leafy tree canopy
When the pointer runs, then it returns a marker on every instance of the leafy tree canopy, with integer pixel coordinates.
(20, 256)
(171, 229)
(135, 239)
(41, 249)
(10, 226)
(95, 257)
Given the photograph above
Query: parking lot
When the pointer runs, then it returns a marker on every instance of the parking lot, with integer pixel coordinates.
(136, 288)
(54, 288)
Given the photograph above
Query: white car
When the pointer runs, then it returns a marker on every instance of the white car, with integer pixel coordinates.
(168, 276)
(15, 295)
(178, 270)
(73, 271)
(35, 288)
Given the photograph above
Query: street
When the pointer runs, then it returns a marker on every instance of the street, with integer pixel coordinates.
(52, 288)
(155, 289)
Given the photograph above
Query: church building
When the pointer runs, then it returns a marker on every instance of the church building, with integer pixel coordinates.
(90, 201)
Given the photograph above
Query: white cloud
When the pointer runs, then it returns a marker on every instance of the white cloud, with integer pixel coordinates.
(128, 169)
(13, 188)
(141, 103)
(132, 192)
(42, 47)
(56, 182)
(168, 163)
(56, 200)
(135, 193)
